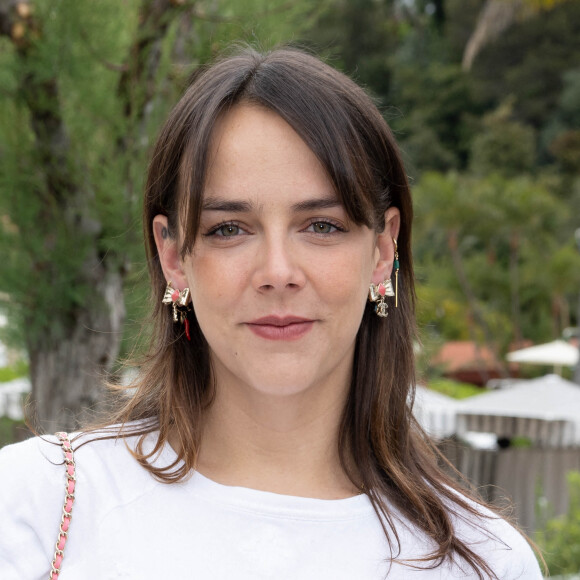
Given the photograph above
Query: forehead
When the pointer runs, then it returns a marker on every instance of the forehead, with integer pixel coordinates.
(254, 153)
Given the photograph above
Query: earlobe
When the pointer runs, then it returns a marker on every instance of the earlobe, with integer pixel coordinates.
(168, 251)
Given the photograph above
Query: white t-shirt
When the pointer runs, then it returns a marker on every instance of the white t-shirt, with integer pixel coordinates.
(127, 525)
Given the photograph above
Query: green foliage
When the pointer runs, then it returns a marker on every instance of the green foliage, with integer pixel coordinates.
(434, 129)
(454, 389)
(14, 371)
(44, 242)
(495, 153)
(566, 149)
(561, 135)
(359, 37)
(521, 442)
(493, 231)
(260, 22)
(509, 132)
(559, 539)
(503, 145)
(568, 103)
(528, 62)
(439, 310)
(11, 431)
(84, 49)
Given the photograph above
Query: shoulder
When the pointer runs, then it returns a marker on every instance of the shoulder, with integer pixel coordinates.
(29, 465)
(490, 537)
(107, 471)
(32, 491)
(503, 547)
(32, 487)
(38, 462)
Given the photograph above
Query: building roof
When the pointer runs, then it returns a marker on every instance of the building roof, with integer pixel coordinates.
(465, 354)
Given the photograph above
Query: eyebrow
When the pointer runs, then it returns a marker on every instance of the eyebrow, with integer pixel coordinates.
(216, 204)
(235, 206)
(313, 204)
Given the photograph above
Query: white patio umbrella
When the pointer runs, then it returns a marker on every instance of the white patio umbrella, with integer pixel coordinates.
(557, 353)
(547, 410)
(435, 412)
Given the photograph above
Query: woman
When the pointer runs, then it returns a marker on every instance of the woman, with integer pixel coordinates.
(275, 399)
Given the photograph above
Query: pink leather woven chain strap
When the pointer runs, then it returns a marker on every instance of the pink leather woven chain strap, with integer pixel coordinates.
(69, 499)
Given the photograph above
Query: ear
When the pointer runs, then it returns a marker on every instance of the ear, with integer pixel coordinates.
(385, 247)
(168, 251)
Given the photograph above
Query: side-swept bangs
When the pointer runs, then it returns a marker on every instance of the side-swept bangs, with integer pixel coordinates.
(334, 117)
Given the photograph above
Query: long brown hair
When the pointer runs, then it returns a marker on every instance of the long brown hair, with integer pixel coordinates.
(380, 442)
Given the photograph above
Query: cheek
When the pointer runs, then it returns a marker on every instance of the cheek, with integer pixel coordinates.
(213, 281)
(346, 280)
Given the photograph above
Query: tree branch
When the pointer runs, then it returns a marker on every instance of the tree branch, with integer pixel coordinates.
(145, 54)
(495, 17)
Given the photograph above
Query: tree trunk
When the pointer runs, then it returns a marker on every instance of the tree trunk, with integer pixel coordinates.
(68, 374)
(73, 348)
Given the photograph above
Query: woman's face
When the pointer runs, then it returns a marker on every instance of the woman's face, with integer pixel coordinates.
(279, 275)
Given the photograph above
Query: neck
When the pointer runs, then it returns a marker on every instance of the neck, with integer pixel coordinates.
(283, 444)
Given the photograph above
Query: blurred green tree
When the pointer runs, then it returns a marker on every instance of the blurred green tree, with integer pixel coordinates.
(500, 246)
(503, 145)
(559, 539)
(84, 87)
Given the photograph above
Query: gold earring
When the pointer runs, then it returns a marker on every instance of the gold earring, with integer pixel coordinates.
(377, 294)
(396, 266)
(180, 301)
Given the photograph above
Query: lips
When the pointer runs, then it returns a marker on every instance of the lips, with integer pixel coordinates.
(280, 320)
(281, 327)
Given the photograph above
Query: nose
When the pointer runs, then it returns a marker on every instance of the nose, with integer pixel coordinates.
(278, 265)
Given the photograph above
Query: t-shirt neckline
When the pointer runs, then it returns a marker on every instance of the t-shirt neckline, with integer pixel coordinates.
(266, 501)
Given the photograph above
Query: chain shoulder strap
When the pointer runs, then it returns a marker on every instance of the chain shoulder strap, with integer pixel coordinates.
(69, 499)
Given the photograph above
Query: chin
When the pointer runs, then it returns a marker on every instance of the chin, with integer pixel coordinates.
(277, 387)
